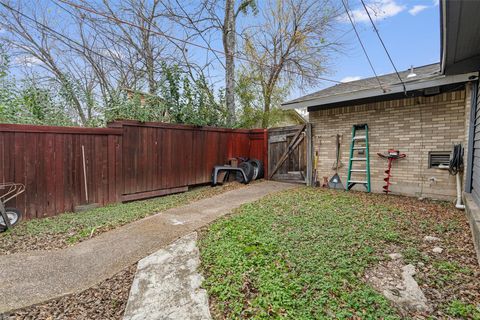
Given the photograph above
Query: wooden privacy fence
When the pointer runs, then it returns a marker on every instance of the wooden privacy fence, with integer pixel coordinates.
(158, 157)
(128, 160)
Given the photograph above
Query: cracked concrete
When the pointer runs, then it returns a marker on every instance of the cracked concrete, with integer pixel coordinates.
(409, 295)
(396, 282)
(43, 275)
(167, 285)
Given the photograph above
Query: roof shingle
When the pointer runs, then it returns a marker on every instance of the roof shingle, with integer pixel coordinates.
(422, 73)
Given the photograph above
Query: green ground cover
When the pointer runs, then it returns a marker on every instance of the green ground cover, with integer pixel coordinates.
(302, 254)
(70, 228)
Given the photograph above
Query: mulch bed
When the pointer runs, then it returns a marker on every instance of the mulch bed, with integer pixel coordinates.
(105, 301)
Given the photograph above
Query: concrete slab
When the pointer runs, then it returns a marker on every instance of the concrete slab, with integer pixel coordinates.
(30, 278)
(409, 296)
(397, 283)
(167, 285)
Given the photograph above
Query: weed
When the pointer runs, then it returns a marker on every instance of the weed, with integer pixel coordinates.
(413, 255)
(446, 272)
(458, 308)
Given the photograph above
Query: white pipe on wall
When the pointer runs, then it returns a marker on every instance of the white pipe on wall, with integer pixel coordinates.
(459, 204)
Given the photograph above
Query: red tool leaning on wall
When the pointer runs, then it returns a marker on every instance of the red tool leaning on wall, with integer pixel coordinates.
(391, 156)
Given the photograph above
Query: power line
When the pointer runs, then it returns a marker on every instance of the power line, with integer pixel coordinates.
(73, 15)
(111, 59)
(203, 38)
(362, 45)
(68, 41)
(384, 47)
(160, 33)
(142, 28)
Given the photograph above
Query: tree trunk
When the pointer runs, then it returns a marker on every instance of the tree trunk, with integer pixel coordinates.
(229, 48)
(266, 109)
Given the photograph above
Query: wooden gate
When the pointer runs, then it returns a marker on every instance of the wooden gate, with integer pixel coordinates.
(288, 154)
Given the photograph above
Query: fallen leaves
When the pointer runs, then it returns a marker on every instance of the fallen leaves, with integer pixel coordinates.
(105, 301)
(70, 228)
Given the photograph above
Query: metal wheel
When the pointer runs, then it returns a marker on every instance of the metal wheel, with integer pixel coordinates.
(257, 168)
(248, 169)
(13, 214)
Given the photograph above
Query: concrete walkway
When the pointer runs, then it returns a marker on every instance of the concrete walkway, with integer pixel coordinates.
(31, 278)
(167, 285)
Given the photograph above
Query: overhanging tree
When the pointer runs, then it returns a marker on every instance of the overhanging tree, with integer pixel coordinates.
(290, 47)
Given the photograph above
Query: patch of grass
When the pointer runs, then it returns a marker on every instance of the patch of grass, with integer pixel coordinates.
(458, 308)
(445, 272)
(447, 226)
(74, 227)
(413, 255)
(299, 254)
(450, 267)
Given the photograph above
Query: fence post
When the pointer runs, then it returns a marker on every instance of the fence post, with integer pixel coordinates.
(265, 153)
(309, 177)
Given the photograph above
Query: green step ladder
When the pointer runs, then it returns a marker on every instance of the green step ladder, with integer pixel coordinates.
(359, 154)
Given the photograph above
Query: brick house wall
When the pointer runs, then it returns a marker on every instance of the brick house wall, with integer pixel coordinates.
(414, 126)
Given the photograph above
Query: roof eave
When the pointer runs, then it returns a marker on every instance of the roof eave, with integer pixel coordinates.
(377, 92)
(459, 25)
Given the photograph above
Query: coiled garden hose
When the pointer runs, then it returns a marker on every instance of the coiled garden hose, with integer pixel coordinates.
(455, 168)
(456, 160)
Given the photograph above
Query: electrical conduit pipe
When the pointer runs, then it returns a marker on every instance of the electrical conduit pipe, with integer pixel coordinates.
(459, 204)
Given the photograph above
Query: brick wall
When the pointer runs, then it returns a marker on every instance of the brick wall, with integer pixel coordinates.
(414, 126)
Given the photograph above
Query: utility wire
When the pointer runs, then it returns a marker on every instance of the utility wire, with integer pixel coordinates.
(170, 37)
(111, 59)
(70, 40)
(362, 45)
(384, 47)
(188, 17)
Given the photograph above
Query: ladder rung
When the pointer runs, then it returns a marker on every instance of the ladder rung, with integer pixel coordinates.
(359, 148)
(359, 159)
(360, 138)
(358, 170)
(354, 181)
(362, 126)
